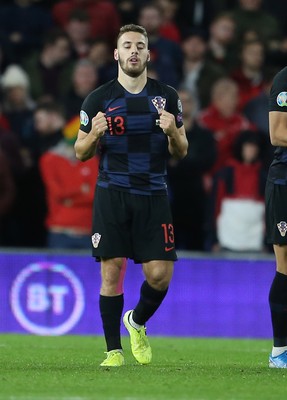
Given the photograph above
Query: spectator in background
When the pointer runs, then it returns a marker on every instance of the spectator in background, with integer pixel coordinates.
(50, 69)
(186, 180)
(4, 62)
(7, 192)
(22, 224)
(69, 188)
(249, 74)
(237, 199)
(221, 42)
(103, 14)
(23, 25)
(151, 71)
(224, 5)
(257, 108)
(17, 103)
(4, 123)
(277, 49)
(45, 132)
(169, 28)
(84, 81)
(100, 55)
(250, 15)
(78, 28)
(197, 14)
(278, 9)
(165, 55)
(222, 118)
(47, 129)
(11, 147)
(128, 10)
(18, 109)
(199, 74)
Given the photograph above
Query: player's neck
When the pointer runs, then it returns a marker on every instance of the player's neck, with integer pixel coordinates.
(133, 85)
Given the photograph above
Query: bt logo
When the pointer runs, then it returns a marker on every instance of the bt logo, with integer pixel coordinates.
(40, 298)
(47, 298)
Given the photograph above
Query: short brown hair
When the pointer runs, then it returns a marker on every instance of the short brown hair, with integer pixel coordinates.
(132, 28)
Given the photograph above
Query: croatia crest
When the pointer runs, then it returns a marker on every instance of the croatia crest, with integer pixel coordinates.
(159, 103)
(96, 239)
(282, 227)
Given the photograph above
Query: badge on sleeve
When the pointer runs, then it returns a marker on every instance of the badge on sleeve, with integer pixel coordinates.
(282, 99)
(84, 118)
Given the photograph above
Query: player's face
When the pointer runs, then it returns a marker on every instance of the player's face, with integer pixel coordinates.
(132, 53)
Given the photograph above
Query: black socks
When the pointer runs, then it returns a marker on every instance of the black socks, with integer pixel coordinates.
(111, 309)
(150, 300)
(278, 308)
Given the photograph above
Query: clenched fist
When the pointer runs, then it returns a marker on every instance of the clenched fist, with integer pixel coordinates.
(99, 125)
(167, 123)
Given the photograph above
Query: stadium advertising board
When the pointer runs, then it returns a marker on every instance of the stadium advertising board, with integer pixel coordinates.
(55, 294)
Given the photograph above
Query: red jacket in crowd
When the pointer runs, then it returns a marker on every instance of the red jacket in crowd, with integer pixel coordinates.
(225, 130)
(70, 186)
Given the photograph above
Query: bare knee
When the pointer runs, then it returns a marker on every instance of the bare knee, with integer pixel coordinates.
(112, 271)
(158, 282)
(158, 274)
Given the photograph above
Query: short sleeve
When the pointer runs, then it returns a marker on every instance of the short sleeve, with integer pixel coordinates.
(90, 107)
(278, 92)
(175, 106)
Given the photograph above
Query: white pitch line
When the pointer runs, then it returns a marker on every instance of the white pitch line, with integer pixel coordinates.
(42, 398)
(37, 397)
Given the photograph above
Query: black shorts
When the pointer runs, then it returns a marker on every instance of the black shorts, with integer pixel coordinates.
(133, 226)
(276, 213)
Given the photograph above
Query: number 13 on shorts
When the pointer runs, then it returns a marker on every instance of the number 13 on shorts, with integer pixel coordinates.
(168, 233)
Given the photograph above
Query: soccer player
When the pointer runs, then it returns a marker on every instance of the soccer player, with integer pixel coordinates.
(276, 217)
(133, 121)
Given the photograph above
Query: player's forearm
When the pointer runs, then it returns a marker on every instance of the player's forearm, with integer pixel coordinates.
(86, 144)
(178, 145)
(85, 148)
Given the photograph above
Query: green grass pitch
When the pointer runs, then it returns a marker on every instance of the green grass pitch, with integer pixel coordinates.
(67, 368)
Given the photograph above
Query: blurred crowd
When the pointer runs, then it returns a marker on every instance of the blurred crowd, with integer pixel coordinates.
(221, 56)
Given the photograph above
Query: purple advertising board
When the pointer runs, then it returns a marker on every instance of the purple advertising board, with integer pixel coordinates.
(57, 294)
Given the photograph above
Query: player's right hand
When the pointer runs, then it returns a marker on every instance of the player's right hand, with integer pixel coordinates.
(99, 125)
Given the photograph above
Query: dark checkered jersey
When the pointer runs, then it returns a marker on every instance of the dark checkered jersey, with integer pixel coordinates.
(278, 102)
(134, 149)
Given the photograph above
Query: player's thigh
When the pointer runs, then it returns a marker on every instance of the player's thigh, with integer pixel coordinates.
(153, 234)
(111, 230)
(276, 214)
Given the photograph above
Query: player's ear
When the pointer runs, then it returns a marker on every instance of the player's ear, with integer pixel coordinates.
(148, 56)
(116, 54)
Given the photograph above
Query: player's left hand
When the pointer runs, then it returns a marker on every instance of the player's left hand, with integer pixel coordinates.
(167, 123)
